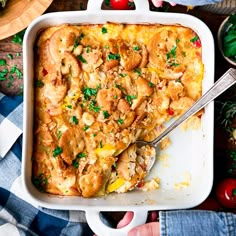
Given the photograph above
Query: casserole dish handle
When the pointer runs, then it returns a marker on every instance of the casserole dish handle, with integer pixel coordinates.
(140, 5)
(100, 229)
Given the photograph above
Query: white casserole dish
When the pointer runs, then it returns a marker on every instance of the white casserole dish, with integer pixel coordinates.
(189, 159)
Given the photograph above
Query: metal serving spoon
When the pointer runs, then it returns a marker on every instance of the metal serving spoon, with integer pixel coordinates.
(222, 84)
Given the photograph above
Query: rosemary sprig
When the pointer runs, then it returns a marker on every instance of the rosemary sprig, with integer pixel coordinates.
(226, 114)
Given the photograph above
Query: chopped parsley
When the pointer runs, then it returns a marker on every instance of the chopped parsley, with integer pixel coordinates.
(39, 83)
(150, 84)
(120, 121)
(81, 155)
(86, 127)
(3, 62)
(18, 38)
(93, 107)
(9, 56)
(130, 98)
(115, 96)
(104, 30)
(172, 53)
(57, 151)
(100, 144)
(80, 57)
(59, 134)
(137, 71)
(88, 49)
(89, 92)
(106, 114)
(15, 70)
(40, 182)
(69, 106)
(177, 40)
(74, 120)
(194, 39)
(136, 48)
(122, 75)
(112, 56)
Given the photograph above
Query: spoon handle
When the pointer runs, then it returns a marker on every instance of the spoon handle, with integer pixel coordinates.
(222, 84)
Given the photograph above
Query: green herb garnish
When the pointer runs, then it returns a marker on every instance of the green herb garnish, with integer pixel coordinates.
(136, 48)
(106, 114)
(86, 127)
(172, 53)
(74, 120)
(194, 39)
(9, 56)
(120, 121)
(150, 84)
(57, 151)
(3, 62)
(113, 57)
(137, 71)
(130, 98)
(89, 92)
(93, 107)
(104, 30)
(39, 83)
(80, 57)
(18, 38)
(59, 134)
(40, 182)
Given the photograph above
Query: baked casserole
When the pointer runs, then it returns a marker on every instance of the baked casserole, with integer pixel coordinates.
(98, 89)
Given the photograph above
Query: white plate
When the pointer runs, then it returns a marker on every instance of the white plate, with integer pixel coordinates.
(190, 157)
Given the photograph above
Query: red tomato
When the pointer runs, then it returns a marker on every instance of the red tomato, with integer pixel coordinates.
(226, 193)
(121, 4)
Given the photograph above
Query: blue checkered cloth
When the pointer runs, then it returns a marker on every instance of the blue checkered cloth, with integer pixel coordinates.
(17, 216)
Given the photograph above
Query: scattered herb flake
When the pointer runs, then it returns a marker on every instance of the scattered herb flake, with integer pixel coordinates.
(100, 144)
(130, 98)
(122, 75)
(59, 134)
(104, 30)
(86, 127)
(112, 56)
(106, 114)
(3, 62)
(9, 56)
(93, 107)
(89, 92)
(80, 57)
(120, 121)
(57, 151)
(74, 120)
(194, 39)
(136, 48)
(137, 71)
(81, 155)
(39, 83)
(150, 84)
(18, 38)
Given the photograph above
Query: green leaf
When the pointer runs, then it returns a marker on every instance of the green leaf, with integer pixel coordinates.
(57, 151)
(18, 38)
(3, 62)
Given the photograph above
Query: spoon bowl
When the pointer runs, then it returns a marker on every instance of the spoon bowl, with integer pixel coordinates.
(222, 84)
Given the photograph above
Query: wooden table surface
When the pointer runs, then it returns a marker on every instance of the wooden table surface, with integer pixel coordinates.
(212, 20)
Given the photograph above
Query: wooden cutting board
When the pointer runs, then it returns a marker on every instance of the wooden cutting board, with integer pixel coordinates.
(17, 15)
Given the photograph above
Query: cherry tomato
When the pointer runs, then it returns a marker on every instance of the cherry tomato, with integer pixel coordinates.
(121, 4)
(226, 193)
